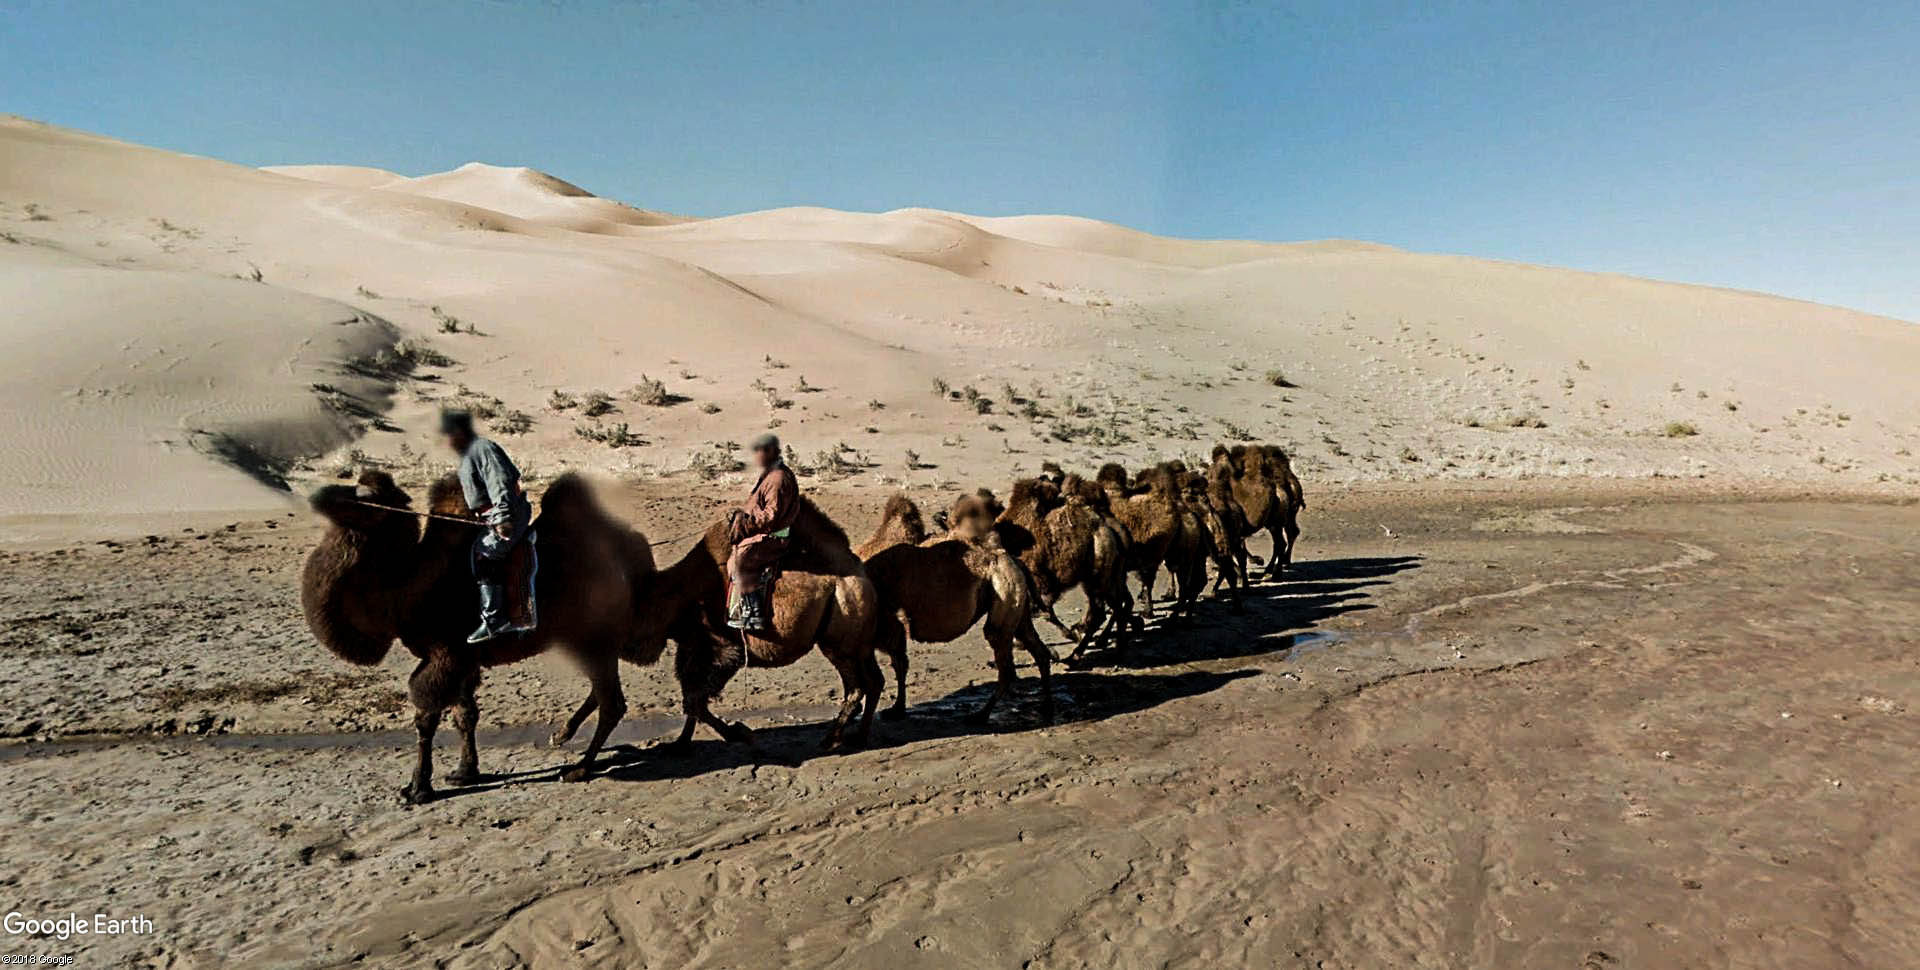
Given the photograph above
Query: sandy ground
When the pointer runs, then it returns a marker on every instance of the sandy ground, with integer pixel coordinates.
(1584, 727)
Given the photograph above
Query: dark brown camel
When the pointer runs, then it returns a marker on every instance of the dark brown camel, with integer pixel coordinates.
(1269, 495)
(376, 576)
(1225, 544)
(1066, 538)
(943, 585)
(1150, 511)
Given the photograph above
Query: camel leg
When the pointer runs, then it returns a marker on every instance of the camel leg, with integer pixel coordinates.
(1092, 627)
(1148, 577)
(564, 734)
(1290, 525)
(466, 719)
(1002, 643)
(1043, 662)
(875, 685)
(433, 688)
(893, 642)
(1046, 610)
(612, 705)
(850, 684)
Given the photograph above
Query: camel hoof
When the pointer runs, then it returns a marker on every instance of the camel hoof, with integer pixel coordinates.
(894, 714)
(576, 774)
(558, 738)
(416, 794)
(464, 777)
(738, 733)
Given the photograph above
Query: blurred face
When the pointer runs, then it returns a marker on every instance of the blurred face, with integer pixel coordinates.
(457, 441)
(765, 457)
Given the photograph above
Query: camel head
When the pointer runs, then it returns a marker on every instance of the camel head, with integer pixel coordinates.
(992, 503)
(1090, 494)
(357, 584)
(971, 518)
(1035, 496)
(1052, 472)
(1112, 476)
(352, 507)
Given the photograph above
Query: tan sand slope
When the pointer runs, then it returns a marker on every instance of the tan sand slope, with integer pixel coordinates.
(1056, 337)
(123, 384)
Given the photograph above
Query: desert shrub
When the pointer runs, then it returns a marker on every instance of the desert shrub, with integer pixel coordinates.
(512, 423)
(481, 405)
(775, 401)
(649, 392)
(1528, 420)
(560, 400)
(597, 403)
(616, 435)
(411, 352)
(1679, 429)
(941, 387)
(709, 408)
(876, 405)
(1279, 379)
(714, 461)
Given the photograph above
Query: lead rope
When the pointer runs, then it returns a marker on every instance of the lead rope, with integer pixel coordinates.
(476, 523)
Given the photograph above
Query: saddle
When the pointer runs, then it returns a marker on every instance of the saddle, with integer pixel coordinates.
(523, 568)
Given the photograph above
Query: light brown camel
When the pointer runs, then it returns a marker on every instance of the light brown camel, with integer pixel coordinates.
(376, 576)
(1066, 537)
(1269, 495)
(944, 585)
(1150, 511)
(822, 598)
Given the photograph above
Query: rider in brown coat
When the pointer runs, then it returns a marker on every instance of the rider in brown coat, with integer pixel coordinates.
(759, 531)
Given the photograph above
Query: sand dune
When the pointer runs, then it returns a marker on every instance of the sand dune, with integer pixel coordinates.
(1087, 341)
(519, 192)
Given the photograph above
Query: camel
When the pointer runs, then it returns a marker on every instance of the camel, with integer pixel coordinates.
(946, 584)
(1231, 520)
(1269, 496)
(822, 598)
(376, 576)
(1213, 539)
(1066, 537)
(1150, 510)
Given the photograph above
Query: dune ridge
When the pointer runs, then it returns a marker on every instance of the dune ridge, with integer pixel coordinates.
(1056, 337)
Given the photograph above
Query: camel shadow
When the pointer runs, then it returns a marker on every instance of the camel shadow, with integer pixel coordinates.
(1079, 697)
(1270, 618)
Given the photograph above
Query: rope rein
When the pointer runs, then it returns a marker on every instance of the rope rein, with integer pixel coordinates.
(476, 523)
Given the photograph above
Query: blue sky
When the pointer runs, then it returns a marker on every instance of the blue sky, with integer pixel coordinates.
(1770, 145)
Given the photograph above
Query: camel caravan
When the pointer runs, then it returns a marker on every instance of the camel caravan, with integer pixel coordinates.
(385, 571)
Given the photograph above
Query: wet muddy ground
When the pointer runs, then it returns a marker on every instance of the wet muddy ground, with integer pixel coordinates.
(1573, 728)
